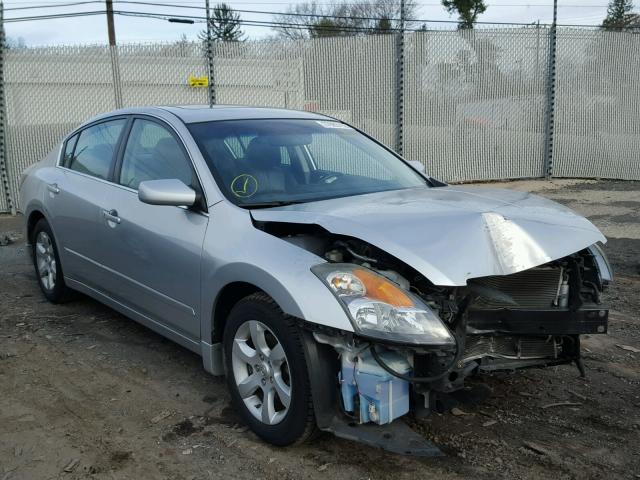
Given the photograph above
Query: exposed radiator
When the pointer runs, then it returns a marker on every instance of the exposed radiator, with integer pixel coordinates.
(478, 346)
(534, 288)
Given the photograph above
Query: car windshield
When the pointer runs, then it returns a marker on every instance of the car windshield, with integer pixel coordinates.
(275, 162)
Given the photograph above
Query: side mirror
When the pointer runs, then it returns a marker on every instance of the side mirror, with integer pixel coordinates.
(166, 192)
(417, 165)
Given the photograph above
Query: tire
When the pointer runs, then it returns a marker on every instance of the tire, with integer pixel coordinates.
(46, 262)
(258, 316)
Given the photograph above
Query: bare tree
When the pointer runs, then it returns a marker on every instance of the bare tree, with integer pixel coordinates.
(360, 17)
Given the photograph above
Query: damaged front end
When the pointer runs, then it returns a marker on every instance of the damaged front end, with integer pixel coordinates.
(416, 343)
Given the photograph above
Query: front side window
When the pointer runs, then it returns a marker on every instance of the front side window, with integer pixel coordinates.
(263, 162)
(94, 149)
(153, 153)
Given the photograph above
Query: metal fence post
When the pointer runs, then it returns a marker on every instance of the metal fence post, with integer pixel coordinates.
(211, 83)
(400, 82)
(551, 97)
(538, 46)
(4, 175)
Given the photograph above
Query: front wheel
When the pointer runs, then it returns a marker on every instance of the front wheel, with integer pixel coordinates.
(267, 371)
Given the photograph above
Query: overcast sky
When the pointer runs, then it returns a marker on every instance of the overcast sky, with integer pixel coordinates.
(130, 30)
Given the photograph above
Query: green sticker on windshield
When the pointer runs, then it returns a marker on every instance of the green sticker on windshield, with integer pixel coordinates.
(244, 186)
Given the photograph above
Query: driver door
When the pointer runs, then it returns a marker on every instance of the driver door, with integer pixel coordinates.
(154, 252)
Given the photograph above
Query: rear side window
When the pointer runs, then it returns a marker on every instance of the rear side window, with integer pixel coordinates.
(94, 149)
(153, 153)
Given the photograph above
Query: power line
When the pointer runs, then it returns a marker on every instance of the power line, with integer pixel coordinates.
(166, 16)
(162, 16)
(333, 17)
(53, 16)
(195, 6)
(507, 5)
(254, 12)
(34, 7)
(346, 27)
(264, 23)
(272, 13)
(304, 15)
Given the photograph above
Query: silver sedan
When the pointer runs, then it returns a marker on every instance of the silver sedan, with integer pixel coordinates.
(336, 285)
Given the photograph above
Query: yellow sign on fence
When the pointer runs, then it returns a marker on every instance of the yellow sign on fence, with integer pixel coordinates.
(198, 81)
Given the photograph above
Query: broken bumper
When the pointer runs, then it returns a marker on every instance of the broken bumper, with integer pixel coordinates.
(367, 398)
(492, 340)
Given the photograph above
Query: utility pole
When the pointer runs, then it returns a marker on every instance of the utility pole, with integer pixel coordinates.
(113, 53)
(110, 27)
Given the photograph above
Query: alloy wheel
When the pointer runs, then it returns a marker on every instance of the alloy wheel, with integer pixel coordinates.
(46, 260)
(261, 372)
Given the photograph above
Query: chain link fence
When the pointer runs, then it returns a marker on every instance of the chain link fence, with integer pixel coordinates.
(597, 124)
(475, 102)
(351, 78)
(471, 105)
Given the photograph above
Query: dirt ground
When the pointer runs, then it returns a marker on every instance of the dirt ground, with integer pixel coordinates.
(87, 393)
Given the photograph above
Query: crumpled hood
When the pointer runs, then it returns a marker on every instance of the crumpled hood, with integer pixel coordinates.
(451, 234)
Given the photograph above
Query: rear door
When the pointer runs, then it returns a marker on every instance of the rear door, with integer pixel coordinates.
(75, 199)
(155, 251)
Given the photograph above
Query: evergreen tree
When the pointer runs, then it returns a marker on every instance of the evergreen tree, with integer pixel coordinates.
(224, 24)
(467, 10)
(618, 15)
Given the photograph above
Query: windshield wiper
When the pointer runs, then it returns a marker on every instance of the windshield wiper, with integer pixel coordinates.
(275, 203)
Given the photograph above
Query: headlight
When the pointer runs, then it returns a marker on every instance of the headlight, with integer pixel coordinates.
(602, 263)
(379, 308)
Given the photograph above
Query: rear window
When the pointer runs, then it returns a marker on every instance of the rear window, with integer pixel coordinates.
(94, 149)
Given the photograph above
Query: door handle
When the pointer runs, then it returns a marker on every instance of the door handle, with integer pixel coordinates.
(53, 188)
(111, 216)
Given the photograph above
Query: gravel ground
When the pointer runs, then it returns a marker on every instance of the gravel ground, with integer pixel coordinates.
(87, 393)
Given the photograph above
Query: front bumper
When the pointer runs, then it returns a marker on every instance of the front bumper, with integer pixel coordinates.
(504, 339)
(488, 342)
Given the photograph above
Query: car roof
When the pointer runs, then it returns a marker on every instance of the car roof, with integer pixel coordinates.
(204, 113)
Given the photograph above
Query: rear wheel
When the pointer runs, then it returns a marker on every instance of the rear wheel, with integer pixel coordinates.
(267, 371)
(47, 264)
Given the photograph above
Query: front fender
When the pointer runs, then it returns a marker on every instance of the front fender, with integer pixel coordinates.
(242, 253)
(244, 272)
